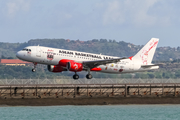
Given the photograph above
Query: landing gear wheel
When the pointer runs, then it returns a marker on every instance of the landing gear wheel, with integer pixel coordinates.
(89, 76)
(75, 77)
(33, 70)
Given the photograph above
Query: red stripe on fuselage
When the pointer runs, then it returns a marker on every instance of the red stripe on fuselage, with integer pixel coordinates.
(96, 69)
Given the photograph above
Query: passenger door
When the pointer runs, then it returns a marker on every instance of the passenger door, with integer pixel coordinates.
(38, 51)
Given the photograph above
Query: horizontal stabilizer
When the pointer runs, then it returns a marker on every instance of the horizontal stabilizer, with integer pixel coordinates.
(148, 66)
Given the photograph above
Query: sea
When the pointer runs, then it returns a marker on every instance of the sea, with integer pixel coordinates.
(95, 112)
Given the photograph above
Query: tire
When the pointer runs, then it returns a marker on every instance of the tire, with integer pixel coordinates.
(75, 77)
(89, 76)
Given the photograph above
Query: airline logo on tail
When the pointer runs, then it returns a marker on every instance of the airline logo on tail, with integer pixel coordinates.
(145, 52)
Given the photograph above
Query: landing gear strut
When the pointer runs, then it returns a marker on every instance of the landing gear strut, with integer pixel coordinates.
(34, 69)
(75, 76)
(89, 76)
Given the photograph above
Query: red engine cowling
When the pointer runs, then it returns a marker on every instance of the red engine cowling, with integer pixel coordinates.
(71, 65)
(74, 66)
(55, 68)
(64, 62)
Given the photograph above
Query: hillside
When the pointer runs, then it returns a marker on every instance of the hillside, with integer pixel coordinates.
(166, 55)
(103, 46)
(168, 70)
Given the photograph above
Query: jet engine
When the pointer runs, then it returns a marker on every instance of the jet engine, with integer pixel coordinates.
(54, 68)
(74, 66)
(71, 65)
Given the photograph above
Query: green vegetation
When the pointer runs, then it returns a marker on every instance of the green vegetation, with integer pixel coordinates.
(103, 46)
(24, 72)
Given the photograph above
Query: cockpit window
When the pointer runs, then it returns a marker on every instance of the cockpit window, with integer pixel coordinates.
(26, 49)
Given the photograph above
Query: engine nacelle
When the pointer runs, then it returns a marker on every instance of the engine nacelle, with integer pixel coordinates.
(54, 68)
(74, 66)
(71, 65)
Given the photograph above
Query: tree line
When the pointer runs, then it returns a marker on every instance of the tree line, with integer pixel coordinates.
(103, 46)
(24, 72)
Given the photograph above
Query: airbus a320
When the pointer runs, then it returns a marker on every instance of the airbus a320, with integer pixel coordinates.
(58, 60)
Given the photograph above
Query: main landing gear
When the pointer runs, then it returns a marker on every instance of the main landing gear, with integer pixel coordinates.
(88, 76)
(75, 76)
(34, 69)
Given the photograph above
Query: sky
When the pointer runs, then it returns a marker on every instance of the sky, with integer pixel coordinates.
(132, 21)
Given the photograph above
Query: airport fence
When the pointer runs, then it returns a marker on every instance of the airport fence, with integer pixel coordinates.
(85, 81)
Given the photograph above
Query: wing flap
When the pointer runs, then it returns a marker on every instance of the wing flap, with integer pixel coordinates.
(95, 63)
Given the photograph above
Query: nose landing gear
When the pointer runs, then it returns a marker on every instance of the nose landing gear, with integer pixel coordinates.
(34, 69)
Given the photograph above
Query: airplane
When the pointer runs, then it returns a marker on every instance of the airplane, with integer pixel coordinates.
(58, 60)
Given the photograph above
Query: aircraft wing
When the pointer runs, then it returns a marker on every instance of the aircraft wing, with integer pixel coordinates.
(95, 63)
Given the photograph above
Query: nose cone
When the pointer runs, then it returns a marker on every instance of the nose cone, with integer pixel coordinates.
(18, 54)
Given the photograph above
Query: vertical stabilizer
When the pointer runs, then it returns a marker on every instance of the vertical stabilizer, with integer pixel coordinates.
(145, 55)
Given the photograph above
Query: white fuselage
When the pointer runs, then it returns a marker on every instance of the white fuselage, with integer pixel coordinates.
(52, 56)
